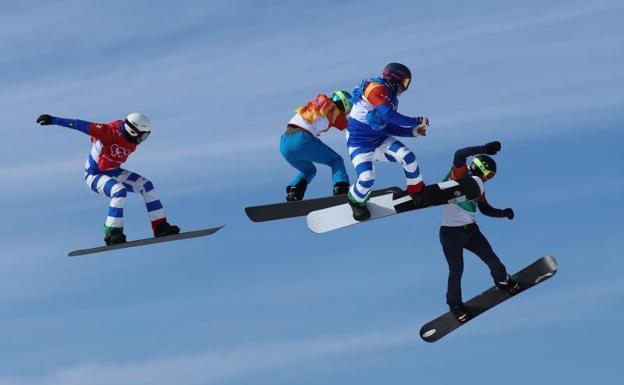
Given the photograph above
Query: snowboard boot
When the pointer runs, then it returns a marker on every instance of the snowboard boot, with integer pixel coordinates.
(460, 312)
(114, 236)
(360, 211)
(341, 188)
(164, 229)
(296, 192)
(509, 285)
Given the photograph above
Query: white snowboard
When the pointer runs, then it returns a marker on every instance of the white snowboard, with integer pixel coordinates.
(336, 217)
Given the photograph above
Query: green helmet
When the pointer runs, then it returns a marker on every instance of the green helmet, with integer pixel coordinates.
(342, 99)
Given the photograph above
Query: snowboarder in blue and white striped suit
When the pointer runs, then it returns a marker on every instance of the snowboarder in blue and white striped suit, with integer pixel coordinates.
(373, 122)
(112, 145)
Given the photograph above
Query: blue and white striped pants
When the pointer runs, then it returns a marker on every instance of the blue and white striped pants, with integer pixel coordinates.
(390, 150)
(116, 184)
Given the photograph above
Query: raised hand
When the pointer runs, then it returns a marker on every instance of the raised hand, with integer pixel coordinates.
(492, 148)
(44, 119)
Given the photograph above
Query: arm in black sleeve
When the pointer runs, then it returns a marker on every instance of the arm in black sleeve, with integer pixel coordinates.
(487, 209)
(463, 153)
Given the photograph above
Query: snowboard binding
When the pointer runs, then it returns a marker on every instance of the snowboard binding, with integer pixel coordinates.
(164, 228)
(460, 313)
(115, 236)
(296, 192)
(360, 210)
(509, 285)
(341, 188)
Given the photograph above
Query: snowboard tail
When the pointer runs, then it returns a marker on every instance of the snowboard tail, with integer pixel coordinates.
(336, 217)
(532, 275)
(147, 241)
(301, 208)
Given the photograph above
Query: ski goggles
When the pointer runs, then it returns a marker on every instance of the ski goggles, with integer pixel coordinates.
(344, 99)
(487, 174)
(134, 131)
(405, 83)
(401, 84)
(398, 79)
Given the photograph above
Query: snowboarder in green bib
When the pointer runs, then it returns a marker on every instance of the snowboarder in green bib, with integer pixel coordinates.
(459, 229)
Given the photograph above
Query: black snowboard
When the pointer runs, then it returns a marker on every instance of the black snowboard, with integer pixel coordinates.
(537, 272)
(438, 194)
(301, 208)
(147, 241)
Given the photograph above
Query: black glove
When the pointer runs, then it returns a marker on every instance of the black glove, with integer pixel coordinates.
(509, 213)
(492, 148)
(44, 119)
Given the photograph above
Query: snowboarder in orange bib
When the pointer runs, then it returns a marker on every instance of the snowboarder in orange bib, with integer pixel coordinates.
(301, 147)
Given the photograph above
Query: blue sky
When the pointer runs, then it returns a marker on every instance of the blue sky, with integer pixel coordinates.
(273, 303)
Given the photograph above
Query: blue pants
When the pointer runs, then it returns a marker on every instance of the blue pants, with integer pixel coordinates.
(301, 150)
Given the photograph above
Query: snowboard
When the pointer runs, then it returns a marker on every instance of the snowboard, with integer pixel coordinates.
(147, 241)
(285, 210)
(535, 273)
(452, 191)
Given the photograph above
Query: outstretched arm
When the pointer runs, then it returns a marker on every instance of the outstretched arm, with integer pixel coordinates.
(101, 131)
(76, 124)
(390, 116)
(462, 154)
(488, 210)
(377, 95)
(460, 169)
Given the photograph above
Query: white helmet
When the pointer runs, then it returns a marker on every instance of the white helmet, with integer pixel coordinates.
(137, 126)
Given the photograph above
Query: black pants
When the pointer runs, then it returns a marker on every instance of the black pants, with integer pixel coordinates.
(454, 240)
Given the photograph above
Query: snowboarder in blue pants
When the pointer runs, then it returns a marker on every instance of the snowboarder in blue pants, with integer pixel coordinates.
(301, 147)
